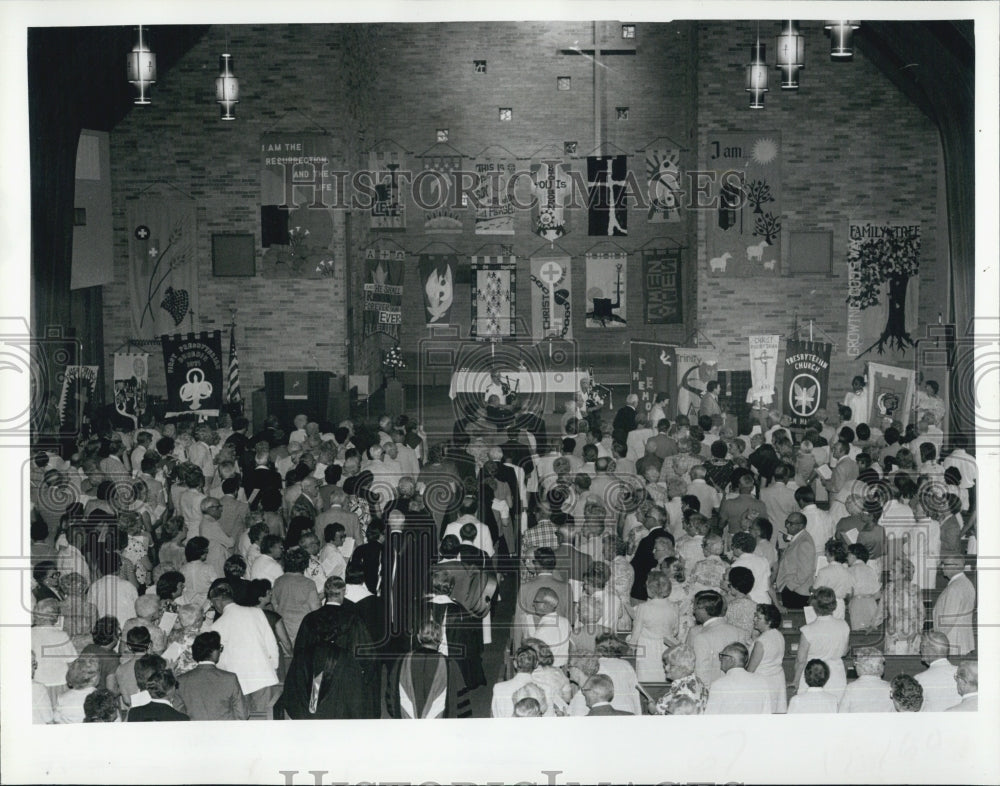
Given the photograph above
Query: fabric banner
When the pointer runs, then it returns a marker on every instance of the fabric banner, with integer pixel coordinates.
(743, 233)
(79, 386)
(438, 189)
(663, 178)
(883, 262)
(694, 369)
(437, 278)
(607, 207)
(662, 288)
(805, 381)
(163, 266)
(131, 382)
(383, 292)
(551, 298)
(652, 369)
(494, 212)
(552, 190)
(763, 364)
(195, 373)
(891, 393)
(607, 290)
(493, 298)
(388, 211)
(297, 198)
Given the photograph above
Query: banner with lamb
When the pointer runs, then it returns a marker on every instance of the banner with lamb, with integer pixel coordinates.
(744, 204)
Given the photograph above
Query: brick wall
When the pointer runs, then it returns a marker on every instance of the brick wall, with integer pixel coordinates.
(853, 146)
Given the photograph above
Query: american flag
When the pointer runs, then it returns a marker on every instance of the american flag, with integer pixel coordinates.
(233, 382)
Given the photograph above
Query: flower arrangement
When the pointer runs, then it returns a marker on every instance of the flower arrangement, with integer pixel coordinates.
(393, 360)
(326, 267)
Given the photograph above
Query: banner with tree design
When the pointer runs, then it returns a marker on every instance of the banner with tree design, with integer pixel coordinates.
(744, 225)
(883, 260)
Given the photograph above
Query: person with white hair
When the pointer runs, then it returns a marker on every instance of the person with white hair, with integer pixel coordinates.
(869, 692)
(967, 680)
(51, 646)
(625, 420)
(82, 677)
(955, 607)
(938, 679)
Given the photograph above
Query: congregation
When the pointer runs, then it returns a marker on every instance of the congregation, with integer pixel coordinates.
(629, 565)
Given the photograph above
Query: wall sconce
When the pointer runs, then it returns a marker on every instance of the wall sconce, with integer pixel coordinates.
(841, 33)
(790, 54)
(757, 75)
(227, 88)
(140, 69)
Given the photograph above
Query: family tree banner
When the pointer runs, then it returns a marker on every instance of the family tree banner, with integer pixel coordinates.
(388, 211)
(662, 292)
(607, 208)
(891, 393)
(163, 265)
(493, 298)
(694, 369)
(552, 191)
(437, 278)
(763, 364)
(743, 232)
(195, 371)
(297, 198)
(607, 290)
(131, 382)
(383, 291)
(663, 178)
(805, 381)
(494, 212)
(652, 369)
(883, 261)
(551, 298)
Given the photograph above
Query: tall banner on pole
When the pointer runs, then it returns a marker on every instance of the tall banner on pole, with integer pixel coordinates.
(763, 363)
(891, 393)
(806, 379)
(652, 369)
(194, 368)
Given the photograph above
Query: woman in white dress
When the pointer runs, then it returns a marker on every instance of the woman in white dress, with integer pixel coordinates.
(768, 652)
(825, 638)
(655, 628)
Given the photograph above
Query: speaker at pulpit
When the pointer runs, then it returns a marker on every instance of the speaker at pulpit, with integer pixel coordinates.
(319, 395)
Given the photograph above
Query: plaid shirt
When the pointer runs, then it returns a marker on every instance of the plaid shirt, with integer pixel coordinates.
(542, 534)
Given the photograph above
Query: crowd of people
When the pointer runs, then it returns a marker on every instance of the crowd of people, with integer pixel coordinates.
(656, 565)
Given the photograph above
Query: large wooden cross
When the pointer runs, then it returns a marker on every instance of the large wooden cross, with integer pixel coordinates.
(607, 40)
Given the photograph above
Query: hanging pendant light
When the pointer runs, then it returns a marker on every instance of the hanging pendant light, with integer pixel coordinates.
(227, 88)
(841, 33)
(140, 68)
(757, 75)
(791, 48)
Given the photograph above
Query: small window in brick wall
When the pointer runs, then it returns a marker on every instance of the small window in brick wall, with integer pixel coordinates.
(563, 83)
(569, 148)
(480, 66)
(442, 135)
(621, 112)
(506, 114)
(628, 32)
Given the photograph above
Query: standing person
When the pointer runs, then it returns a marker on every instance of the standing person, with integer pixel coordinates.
(208, 692)
(967, 680)
(738, 691)
(768, 652)
(825, 638)
(797, 565)
(711, 635)
(709, 406)
(655, 627)
(625, 420)
(426, 684)
(462, 632)
(858, 401)
(869, 692)
(955, 607)
(249, 648)
(938, 679)
(815, 698)
(325, 682)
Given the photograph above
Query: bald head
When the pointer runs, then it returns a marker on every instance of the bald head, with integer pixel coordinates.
(598, 689)
(933, 645)
(546, 600)
(795, 523)
(967, 677)
(736, 656)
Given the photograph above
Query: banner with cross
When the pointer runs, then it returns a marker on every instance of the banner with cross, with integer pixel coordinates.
(551, 298)
(493, 298)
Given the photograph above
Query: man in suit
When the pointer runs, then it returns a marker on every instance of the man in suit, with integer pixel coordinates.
(967, 680)
(955, 607)
(368, 556)
(308, 502)
(571, 563)
(625, 420)
(263, 477)
(598, 691)
(643, 560)
(209, 693)
(543, 561)
(797, 566)
(938, 679)
(711, 636)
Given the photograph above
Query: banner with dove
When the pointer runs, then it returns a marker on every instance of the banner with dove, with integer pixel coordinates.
(551, 298)
(652, 369)
(493, 298)
(806, 380)
(163, 265)
(194, 369)
(763, 364)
